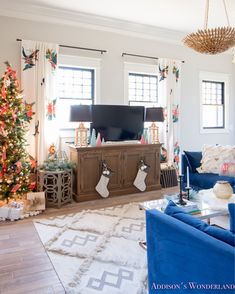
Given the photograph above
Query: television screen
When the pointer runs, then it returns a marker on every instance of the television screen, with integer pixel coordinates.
(118, 123)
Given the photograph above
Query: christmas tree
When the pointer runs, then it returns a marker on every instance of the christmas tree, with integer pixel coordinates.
(15, 114)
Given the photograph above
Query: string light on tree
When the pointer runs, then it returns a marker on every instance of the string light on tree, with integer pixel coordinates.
(15, 165)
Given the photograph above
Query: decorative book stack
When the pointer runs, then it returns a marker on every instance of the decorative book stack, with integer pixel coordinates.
(189, 207)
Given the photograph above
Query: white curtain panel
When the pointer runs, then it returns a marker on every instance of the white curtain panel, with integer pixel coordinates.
(38, 81)
(169, 99)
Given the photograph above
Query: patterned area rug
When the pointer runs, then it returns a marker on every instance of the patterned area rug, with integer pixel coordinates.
(97, 251)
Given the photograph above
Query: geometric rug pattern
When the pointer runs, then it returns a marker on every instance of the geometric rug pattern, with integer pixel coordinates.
(97, 251)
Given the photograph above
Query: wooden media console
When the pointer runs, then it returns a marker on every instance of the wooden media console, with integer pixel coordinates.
(123, 159)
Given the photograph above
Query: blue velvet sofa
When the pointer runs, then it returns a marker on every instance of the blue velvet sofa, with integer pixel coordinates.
(199, 181)
(184, 259)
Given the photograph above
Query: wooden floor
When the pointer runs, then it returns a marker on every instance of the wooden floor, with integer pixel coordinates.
(24, 264)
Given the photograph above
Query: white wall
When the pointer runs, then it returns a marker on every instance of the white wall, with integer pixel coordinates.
(112, 67)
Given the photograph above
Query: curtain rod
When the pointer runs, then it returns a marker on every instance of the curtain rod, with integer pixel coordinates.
(143, 56)
(80, 48)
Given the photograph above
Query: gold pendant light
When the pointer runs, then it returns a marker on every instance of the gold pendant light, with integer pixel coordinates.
(211, 41)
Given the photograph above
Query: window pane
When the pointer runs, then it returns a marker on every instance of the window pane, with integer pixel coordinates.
(145, 104)
(143, 90)
(213, 104)
(74, 86)
(212, 116)
(209, 116)
(220, 113)
(72, 80)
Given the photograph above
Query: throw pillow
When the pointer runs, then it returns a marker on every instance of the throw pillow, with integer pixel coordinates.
(193, 160)
(214, 156)
(228, 169)
(231, 209)
(224, 235)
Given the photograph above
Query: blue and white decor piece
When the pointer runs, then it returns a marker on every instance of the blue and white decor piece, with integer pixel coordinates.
(93, 138)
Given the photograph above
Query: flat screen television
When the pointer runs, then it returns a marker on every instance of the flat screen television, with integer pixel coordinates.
(118, 122)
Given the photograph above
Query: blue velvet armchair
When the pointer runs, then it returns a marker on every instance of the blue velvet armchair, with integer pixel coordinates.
(183, 259)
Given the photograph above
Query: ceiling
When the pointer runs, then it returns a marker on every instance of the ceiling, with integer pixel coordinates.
(174, 15)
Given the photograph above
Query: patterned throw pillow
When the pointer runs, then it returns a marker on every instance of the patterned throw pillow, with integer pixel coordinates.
(214, 156)
(228, 169)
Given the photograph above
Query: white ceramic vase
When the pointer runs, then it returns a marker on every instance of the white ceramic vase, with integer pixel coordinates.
(223, 190)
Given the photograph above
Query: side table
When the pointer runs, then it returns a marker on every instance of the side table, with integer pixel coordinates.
(168, 176)
(57, 186)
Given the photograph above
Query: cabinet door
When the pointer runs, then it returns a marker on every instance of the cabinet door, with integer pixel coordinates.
(89, 171)
(151, 158)
(114, 162)
(130, 166)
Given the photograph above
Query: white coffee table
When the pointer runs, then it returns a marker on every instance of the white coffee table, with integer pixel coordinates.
(209, 205)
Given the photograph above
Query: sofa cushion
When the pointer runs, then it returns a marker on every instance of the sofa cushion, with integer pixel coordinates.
(228, 169)
(224, 235)
(193, 160)
(208, 180)
(213, 157)
(231, 209)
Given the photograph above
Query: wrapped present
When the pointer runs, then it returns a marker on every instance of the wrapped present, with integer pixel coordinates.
(4, 210)
(13, 211)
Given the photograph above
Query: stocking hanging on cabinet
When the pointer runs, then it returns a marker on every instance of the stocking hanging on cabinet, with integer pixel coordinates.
(102, 186)
(142, 173)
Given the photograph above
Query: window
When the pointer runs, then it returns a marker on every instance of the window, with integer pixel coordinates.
(140, 84)
(143, 89)
(212, 104)
(74, 86)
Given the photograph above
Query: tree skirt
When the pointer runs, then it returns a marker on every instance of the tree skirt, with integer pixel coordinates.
(97, 251)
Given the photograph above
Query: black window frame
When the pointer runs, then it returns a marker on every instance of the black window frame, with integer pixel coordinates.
(143, 75)
(92, 70)
(222, 83)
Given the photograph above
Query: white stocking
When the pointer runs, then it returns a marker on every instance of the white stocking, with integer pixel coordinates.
(140, 180)
(101, 187)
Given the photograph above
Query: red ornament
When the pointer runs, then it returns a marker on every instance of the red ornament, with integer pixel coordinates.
(18, 167)
(14, 116)
(4, 154)
(32, 162)
(32, 185)
(30, 113)
(8, 73)
(3, 92)
(15, 188)
(3, 109)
